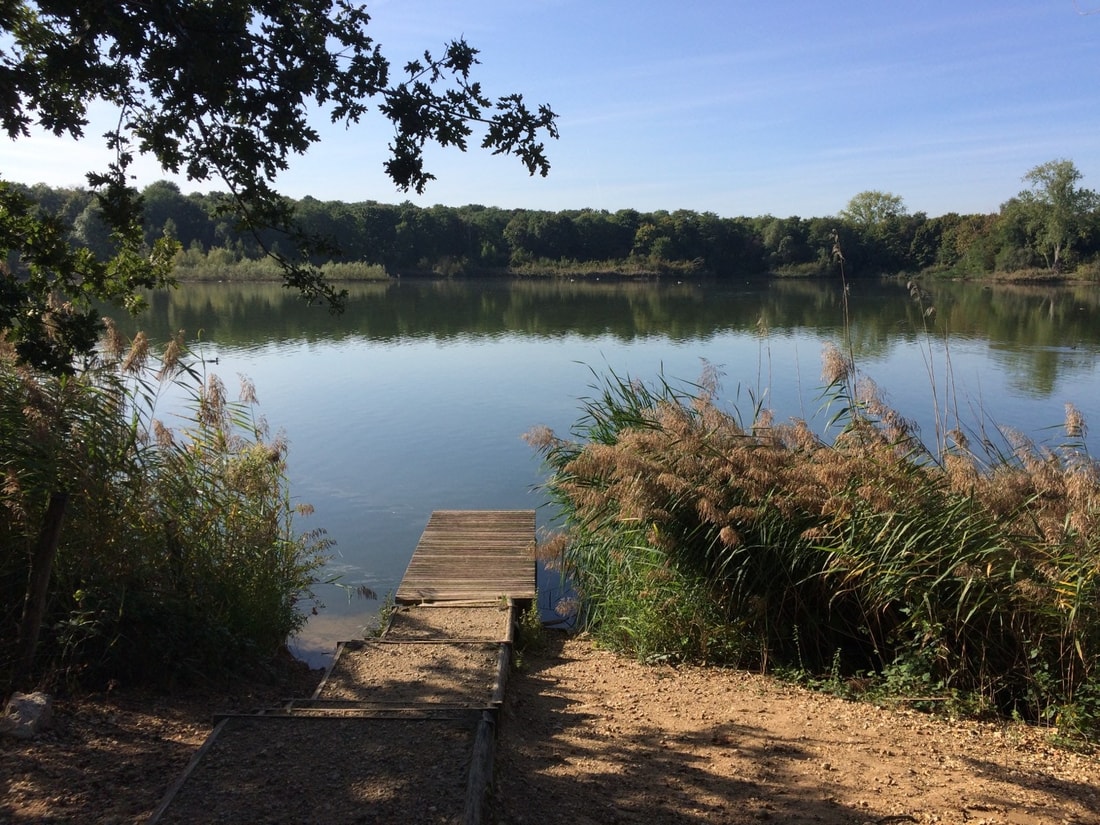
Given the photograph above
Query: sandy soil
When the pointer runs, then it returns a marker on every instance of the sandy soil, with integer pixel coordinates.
(110, 757)
(586, 737)
(591, 738)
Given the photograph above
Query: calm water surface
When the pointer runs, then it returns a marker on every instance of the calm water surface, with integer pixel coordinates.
(416, 398)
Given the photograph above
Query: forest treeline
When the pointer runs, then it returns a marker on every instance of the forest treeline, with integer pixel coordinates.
(1051, 229)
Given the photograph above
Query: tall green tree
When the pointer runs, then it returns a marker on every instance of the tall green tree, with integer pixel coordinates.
(883, 230)
(166, 208)
(871, 209)
(213, 89)
(1055, 211)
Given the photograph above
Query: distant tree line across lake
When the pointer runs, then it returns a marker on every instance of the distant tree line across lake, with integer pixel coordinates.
(1051, 229)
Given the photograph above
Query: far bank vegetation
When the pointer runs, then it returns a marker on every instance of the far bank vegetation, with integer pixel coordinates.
(1051, 230)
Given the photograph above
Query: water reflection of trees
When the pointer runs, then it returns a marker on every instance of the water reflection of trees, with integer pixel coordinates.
(1034, 331)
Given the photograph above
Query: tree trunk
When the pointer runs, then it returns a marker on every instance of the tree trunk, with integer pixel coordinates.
(34, 608)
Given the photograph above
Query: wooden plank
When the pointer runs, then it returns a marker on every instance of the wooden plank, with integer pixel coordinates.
(472, 554)
(181, 780)
(480, 778)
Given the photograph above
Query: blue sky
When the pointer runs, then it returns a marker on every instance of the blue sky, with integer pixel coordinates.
(737, 108)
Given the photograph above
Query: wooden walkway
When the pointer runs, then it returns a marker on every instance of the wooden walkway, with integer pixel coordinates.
(402, 727)
(472, 555)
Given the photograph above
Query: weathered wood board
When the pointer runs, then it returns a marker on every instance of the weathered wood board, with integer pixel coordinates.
(472, 555)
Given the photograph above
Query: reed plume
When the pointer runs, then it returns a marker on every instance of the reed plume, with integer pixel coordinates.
(692, 536)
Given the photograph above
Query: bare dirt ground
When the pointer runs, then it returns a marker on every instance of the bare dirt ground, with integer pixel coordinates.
(110, 757)
(587, 737)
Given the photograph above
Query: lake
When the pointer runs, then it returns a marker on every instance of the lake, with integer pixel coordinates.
(417, 397)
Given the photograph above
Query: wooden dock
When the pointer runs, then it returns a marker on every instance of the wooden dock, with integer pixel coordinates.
(402, 727)
(472, 555)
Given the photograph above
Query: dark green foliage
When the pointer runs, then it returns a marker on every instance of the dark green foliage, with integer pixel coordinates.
(214, 90)
(405, 239)
(45, 300)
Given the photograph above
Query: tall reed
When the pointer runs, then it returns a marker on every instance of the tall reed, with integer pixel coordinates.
(695, 535)
(179, 555)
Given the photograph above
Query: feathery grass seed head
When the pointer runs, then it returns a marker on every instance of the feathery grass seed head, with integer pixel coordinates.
(248, 391)
(1075, 423)
(114, 342)
(162, 434)
(136, 357)
(553, 547)
(540, 437)
(567, 607)
(835, 368)
(172, 355)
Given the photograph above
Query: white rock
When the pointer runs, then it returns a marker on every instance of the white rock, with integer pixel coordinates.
(26, 714)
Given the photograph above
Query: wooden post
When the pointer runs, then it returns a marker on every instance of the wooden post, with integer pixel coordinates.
(480, 781)
(38, 584)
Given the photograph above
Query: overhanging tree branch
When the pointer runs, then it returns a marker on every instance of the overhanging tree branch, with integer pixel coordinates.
(221, 89)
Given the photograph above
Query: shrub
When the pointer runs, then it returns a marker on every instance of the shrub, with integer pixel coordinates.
(695, 536)
(178, 554)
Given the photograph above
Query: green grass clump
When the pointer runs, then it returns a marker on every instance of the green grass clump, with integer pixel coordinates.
(221, 264)
(695, 536)
(178, 555)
